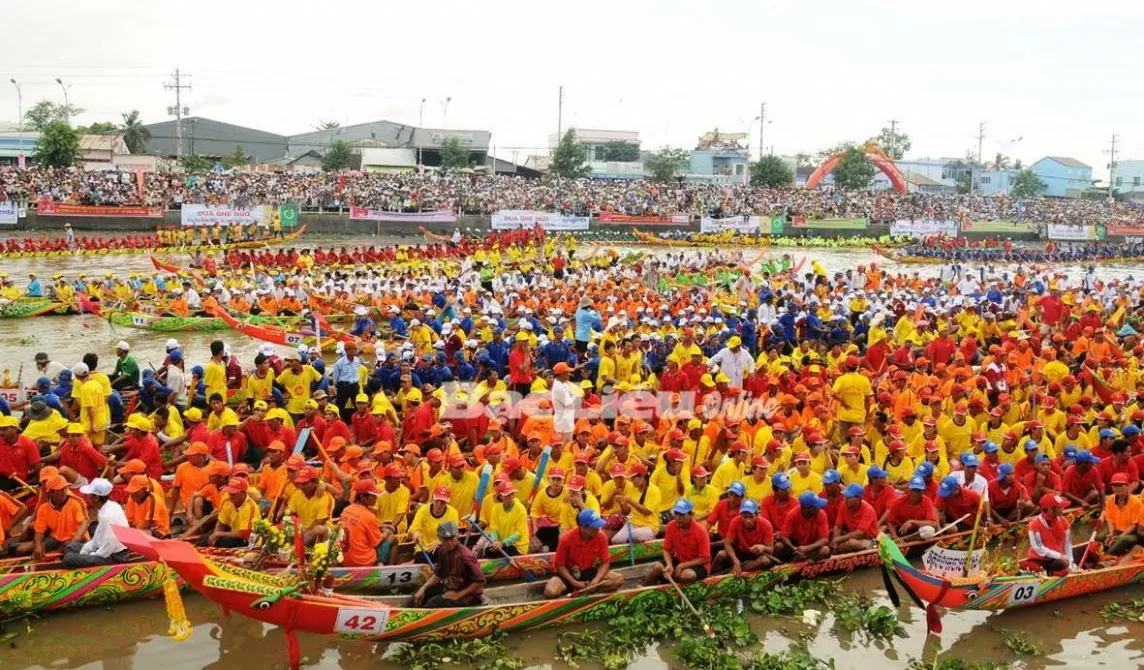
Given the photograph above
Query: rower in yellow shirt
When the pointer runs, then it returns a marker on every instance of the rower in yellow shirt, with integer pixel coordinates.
(802, 478)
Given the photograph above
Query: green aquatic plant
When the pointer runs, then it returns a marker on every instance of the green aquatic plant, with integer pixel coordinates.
(1018, 643)
(489, 652)
(1125, 610)
(855, 613)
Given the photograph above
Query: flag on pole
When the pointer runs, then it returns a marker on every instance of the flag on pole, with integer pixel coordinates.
(288, 215)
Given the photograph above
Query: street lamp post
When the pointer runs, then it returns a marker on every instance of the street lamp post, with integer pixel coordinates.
(445, 110)
(420, 125)
(19, 109)
(67, 105)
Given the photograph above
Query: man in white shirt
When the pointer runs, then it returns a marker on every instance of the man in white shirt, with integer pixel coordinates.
(564, 401)
(732, 360)
(103, 548)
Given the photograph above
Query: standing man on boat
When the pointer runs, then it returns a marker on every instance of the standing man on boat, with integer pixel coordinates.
(347, 380)
(457, 580)
(583, 563)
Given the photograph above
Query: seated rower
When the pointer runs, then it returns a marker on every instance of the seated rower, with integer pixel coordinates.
(103, 548)
(364, 535)
(12, 512)
(955, 503)
(856, 526)
(1050, 540)
(206, 501)
(312, 504)
(750, 542)
(583, 563)
(236, 517)
(60, 520)
(907, 515)
(1008, 499)
(428, 518)
(507, 527)
(638, 503)
(686, 548)
(457, 580)
(806, 531)
(1123, 514)
(146, 510)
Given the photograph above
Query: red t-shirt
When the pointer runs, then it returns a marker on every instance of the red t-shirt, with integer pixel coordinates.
(903, 510)
(519, 366)
(363, 425)
(146, 450)
(775, 512)
(18, 459)
(743, 538)
(880, 500)
(1052, 481)
(574, 551)
(864, 519)
(1004, 501)
(1052, 534)
(1108, 467)
(1078, 484)
(832, 506)
(956, 507)
(217, 444)
(801, 530)
(258, 433)
(84, 459)
(687, 545)
(721, 516)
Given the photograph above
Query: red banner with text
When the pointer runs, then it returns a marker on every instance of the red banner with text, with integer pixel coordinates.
(49, 208)
(673, 220)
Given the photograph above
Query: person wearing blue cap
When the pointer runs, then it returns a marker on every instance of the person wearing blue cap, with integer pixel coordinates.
(719, 520)
(1042, 479)
(1104, 444)
(969, 475)
(749, 544)
(686, 548)
(1082, 484)
(878, 492)
(990, 460)
(1027, 464)
(832, 492)
(955, 503)
(856, 525)
(780, 503)
(1008, 499)
(806, 532)
(582, 560)
(910, 513)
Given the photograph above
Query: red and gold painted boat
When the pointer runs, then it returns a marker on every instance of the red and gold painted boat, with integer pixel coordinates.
(292, 338)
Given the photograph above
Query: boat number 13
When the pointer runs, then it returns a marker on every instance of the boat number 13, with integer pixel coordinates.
(1023, 594)
(361, 621)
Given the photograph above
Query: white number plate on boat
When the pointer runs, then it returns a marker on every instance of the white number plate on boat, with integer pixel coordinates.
(361, 621)
(1022, 594)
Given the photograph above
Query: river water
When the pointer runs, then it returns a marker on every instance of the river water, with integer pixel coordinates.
(132, 635)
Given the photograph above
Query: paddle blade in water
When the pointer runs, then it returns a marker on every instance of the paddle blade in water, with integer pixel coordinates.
(888, 582)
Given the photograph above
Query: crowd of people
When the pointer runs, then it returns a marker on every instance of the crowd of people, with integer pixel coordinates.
(746, 419)
(465, 193)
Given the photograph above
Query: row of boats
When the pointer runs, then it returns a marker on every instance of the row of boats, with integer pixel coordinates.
(144, 248)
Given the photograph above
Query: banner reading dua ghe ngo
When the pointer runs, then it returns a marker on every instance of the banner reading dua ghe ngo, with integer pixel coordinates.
(435, 216)
(923, 228)
(739, 224)
(516, 219)
(1070, 233)
(209, 215)
(832, 224)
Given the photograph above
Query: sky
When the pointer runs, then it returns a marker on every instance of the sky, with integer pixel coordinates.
(1046, 77)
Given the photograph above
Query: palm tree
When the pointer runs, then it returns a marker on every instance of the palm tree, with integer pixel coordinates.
(1000, 161)
(135, 134)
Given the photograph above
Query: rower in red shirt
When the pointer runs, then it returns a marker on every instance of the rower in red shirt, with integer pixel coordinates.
(806, 532)
(832, 493)
(725, 511)
(686, 548)
(1082, 482)
(777, 506)
(856, 525)
(879, 493)
(910, 513)
(1008, 498)
(1042, 479)
(78, 454)
(955, 503)
(18, 454)
(749, 544)
(1120, 462)
(582, 560)
(1050, 543)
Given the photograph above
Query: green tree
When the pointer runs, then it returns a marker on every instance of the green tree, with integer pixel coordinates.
(58, 145)
(233, 160)
(853, 172)
(45, 111)
(894, 142)
(337, 156)
(195, 163)
(665, 164)
(771, 171)
(1027, 184)
(1017, 164)
(804, 161)
(454, 156)
(1000, 162)
(97, 128)
(570, 160)
(135, 134)
(327, 125)
(621, 152)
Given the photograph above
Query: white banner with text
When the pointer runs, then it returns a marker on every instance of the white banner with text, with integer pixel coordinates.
(516, 219)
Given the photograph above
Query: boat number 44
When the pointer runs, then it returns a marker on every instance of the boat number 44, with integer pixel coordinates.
(361, 621)
(1022, 594)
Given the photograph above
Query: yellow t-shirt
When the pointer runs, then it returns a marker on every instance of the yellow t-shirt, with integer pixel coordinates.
(668, 484)
(507, 523)
(703, 501)
(311, 510)
(92, 401)
(545, 506)
(260, 389)
(425, 524)
(214, 378)
(757, 490)
(214, 421)
(298, 387)
(239, 519)
(852, 389)
(392, 507)
(651, 500)
(727, 472)
(799, 484)
(856, 476)
(568, 513)
(606, 369)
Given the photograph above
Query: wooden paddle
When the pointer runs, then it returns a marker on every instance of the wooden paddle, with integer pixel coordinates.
(527, 575)
(706, 629)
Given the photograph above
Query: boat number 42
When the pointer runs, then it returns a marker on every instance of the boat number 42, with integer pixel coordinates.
(1022, 594)
(361, 621)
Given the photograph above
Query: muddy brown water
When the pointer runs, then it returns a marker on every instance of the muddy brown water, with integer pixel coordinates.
(133, 635)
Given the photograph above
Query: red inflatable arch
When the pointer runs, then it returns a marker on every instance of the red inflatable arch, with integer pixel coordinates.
(874, 154)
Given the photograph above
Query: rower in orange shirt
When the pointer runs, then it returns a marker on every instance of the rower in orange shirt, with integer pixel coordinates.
(145, 510)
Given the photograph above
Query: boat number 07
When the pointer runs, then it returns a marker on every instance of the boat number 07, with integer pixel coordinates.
(1023, 594)
(361, 621)
(293, 338)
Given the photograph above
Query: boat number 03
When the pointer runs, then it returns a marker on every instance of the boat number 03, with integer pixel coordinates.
(1022, 594)
(361, 621)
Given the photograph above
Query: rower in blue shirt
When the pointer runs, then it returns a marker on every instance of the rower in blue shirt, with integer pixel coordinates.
(363, 324)
(398, 324)
(35, 288)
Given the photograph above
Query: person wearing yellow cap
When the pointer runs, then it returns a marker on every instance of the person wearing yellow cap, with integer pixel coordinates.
(733, 361)
(140, 443)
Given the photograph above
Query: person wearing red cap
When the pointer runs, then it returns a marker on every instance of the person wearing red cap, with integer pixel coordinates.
(803, 478)
(854, 394)
(393, 504)
(703, 496)
(547, 508)
(423, 528)
(145, 510)
(236, 517)
(1123, 516)
(311, 503)
(672, 479)
(1050, 541)
(639, 503)
(507, 527)
(363, 533)
(758, 480)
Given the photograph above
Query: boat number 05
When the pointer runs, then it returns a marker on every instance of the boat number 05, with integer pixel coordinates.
(1023, 594)
(361, 621)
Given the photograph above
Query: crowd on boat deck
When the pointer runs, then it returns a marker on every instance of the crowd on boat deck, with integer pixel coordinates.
(745, 419)
(481, 194)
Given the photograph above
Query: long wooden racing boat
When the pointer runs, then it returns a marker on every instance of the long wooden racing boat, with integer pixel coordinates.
(1000, 592)
(163, 266)
(188, 248)
(170, 323)
(289, 337)
(28, 307)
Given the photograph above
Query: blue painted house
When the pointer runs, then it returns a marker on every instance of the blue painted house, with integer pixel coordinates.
(1064, 177)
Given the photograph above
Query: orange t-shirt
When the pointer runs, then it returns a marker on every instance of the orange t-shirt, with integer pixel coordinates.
(363, 534)
(61, 523)
(211, 494)
(9, 508)
(189, 479)
(272, 480)
(151, 514)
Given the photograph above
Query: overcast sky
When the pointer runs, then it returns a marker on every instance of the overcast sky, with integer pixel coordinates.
(1062, 76)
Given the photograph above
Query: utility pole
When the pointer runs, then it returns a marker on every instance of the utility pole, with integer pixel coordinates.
(179, 110)
(560, 116)
(893, 139)
(762, 124)
(1112, 165)
(980, 148)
